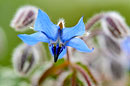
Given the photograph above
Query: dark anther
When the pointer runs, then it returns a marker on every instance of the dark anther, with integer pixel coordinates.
(57, 51)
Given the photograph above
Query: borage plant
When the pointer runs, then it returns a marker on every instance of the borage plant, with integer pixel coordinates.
(59, 38)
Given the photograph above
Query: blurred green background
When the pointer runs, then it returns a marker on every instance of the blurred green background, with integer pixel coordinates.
(70, 10)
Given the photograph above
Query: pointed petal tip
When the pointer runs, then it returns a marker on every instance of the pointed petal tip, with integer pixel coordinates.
(79, 44)
(81, 21)
(81, 18)
(34, 38)
(23, 38)
(39, 10)
(19, 35)
(88, 50)
(77, 30)
(91, 50)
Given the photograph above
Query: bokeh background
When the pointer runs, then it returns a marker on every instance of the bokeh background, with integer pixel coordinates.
(70, 10)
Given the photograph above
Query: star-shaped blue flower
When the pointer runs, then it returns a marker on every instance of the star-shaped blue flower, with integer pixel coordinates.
(56, 36)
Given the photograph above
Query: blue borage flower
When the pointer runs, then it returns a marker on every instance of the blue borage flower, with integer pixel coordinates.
(56, 36)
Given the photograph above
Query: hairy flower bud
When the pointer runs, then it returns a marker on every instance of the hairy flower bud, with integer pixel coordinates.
(114, 25)
(25, 58)
(117, 70)
(110, 47)
(24, 17)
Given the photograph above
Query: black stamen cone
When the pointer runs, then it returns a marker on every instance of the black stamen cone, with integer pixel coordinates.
(56, 54)
(55, 58)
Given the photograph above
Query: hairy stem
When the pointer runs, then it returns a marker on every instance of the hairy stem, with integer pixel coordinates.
(93, 20)
(51, 70)
(68, 55)
(74, 78)
(82, 71)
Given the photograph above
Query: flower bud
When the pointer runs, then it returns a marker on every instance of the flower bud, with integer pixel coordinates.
(24, 17)
(114, 25)
(116, 69)
(109, 46)
(25, 58)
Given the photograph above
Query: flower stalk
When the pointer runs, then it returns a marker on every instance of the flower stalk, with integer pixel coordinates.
(51, 70)
(93, 20)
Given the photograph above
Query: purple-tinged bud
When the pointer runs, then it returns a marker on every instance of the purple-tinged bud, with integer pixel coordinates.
(109, 46)
(114, 25)
(112, 46)
(117, 70)
(24, 17)
(25, 58)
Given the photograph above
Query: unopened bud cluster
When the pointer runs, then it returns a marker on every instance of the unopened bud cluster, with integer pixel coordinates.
(108, 31)
(25, 58)
(114, 25)
(24, 18)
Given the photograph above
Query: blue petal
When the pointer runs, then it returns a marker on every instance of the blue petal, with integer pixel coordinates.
(79, 45)
(44, 24)
(33, 38)
(77, 30)
(62, 54)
